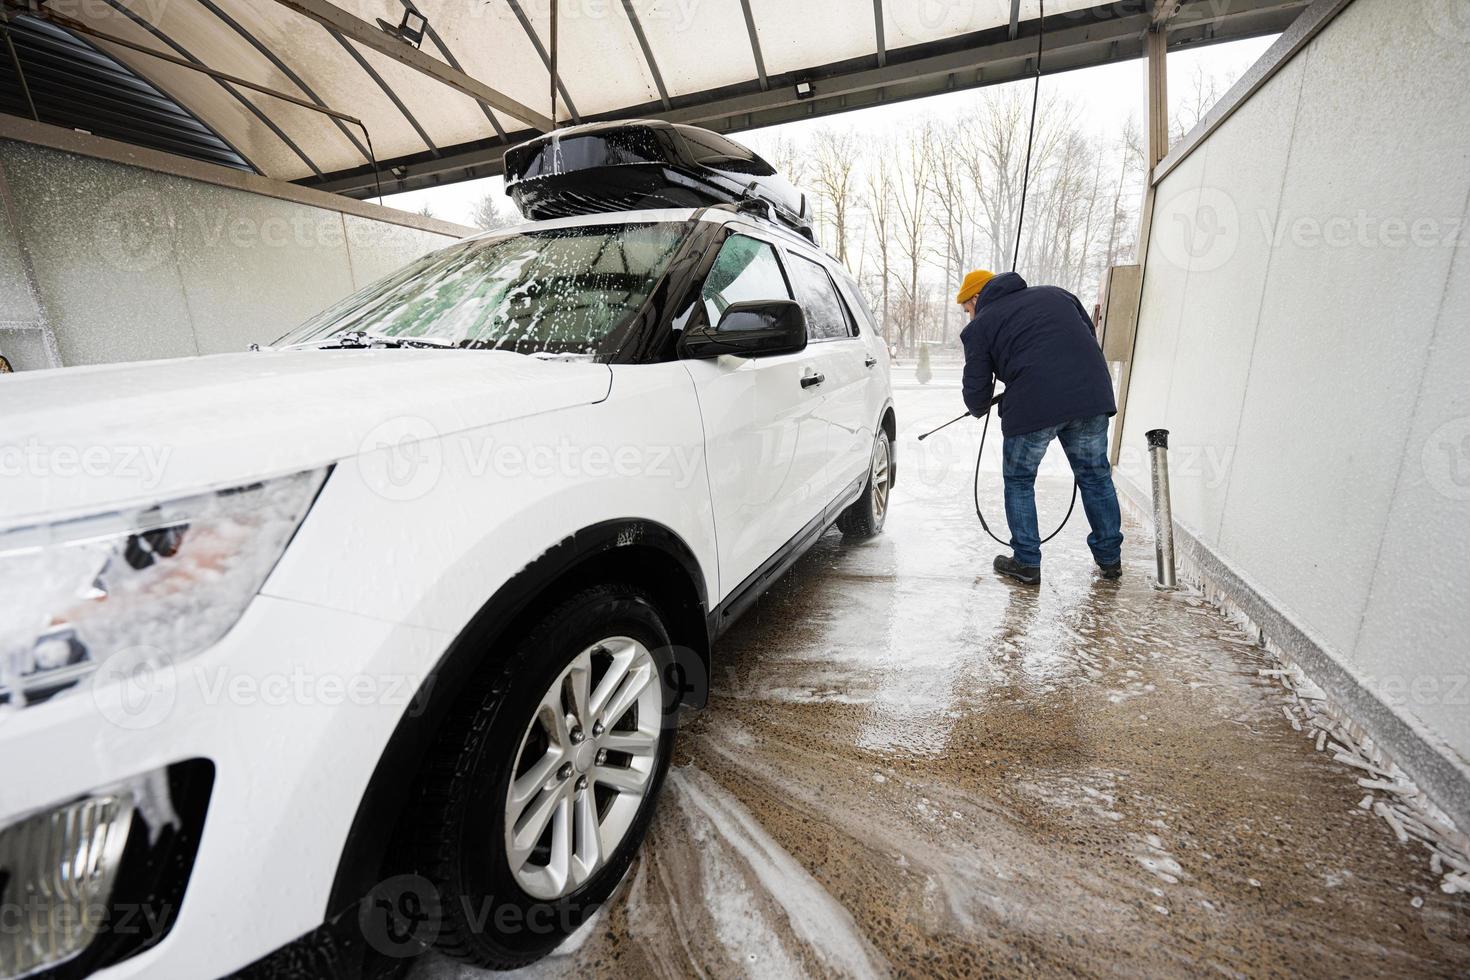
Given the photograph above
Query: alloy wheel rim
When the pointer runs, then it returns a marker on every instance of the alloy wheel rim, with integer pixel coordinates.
(879, 477)
(583, 767)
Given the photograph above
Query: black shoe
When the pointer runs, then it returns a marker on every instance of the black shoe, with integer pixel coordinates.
(1009, 567)
(1115, 570)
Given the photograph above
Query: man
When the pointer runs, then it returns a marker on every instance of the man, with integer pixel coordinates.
(1039, 341)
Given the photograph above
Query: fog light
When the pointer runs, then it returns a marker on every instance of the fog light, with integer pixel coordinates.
(57, 869)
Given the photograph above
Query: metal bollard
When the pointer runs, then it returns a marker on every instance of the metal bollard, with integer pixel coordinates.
(1158, 450)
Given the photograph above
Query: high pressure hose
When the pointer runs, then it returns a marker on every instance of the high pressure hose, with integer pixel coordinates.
(1015, 260)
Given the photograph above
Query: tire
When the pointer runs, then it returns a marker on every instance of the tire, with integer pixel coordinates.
(864, 517)
(487, 911)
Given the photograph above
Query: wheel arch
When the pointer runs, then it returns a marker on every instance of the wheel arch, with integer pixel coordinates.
(889, 423)
(638, 552)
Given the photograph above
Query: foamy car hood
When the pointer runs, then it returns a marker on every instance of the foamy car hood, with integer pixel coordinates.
(75, 441)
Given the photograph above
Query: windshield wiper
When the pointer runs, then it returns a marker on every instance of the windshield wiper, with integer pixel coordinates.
(362, 340)
(357, 339)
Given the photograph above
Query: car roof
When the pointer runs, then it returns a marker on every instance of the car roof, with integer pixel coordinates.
(714, 215)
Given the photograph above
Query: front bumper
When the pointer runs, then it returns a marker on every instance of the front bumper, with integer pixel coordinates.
(292, 708)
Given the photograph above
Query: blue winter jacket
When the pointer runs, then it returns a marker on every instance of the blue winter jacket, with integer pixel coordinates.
(1039, 341)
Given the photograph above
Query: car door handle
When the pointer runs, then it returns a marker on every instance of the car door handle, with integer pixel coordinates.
(812, 380)
(869, 361)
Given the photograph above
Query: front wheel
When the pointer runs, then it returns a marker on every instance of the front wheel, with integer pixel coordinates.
(865, 516)
(542, 787)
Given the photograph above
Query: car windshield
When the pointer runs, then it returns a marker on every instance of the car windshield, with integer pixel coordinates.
(555, 291)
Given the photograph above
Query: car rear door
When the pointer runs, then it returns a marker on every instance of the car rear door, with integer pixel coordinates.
(764, 436)
(842, 359)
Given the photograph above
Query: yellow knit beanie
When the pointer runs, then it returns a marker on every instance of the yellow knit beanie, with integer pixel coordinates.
(974, 282)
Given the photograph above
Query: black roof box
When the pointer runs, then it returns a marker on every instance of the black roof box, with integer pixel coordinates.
(629, 166)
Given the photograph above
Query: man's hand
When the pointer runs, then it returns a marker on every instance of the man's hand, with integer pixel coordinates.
(990, 402)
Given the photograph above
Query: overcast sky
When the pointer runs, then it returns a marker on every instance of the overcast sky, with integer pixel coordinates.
(1107, 96)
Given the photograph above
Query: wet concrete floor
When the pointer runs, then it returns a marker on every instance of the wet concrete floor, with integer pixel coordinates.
(910, 767)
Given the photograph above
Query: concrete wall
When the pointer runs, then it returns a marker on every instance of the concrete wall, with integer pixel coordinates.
(1305, 335)
(108, 255)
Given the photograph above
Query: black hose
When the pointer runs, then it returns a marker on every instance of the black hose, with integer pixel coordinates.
(1015, 258)
(1031, 133)
(1070, 507)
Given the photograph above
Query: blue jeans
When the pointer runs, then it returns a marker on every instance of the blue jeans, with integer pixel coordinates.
(1085, 441)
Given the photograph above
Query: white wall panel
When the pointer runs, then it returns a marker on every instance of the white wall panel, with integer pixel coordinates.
(255, 267)
(1165, 279)
(1333, 327)
(1413, 646)
(133, 264)
(102, 251)
(1340, 348)
(1237, 202)
(377, 248)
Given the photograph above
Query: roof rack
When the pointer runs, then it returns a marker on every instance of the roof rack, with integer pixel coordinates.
(629, 166)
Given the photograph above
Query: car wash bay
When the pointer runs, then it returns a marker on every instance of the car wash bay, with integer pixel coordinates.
(909, 766)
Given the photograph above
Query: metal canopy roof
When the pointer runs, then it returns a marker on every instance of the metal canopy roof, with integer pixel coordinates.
(70, 83)
(316, 91)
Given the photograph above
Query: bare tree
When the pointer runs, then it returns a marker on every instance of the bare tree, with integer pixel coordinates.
(918, 209)
(833, 161)
(791, 158)
(488, 215)
(955, 197)
(1121, 229)
(911, 208)
(1196, 100)
(878, 196)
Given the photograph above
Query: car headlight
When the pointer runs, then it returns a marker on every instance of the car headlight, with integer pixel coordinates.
(167, 580)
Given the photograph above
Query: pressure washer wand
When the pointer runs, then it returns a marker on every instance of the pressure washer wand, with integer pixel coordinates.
(944, 426)
(994, 401)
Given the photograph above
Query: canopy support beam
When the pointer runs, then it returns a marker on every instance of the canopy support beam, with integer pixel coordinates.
(1156, 45)
(1164, 11)
(658, 78)
(372, 73)
(185, 59)
(369, 35)
(755, 46)
(545, 55)
(1109, 33)
(454, 63)
(878, 33)
(284, 69)
(20, 72)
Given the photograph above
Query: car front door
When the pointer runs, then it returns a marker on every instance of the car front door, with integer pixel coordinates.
(764, 437)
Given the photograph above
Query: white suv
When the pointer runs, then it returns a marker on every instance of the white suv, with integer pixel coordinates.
(373, 640)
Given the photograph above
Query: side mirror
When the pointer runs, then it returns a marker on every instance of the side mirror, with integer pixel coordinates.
(760, 327)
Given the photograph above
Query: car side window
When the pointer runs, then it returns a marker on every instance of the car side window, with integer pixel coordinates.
(825, 317)
(857, 307)
(745, 270)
